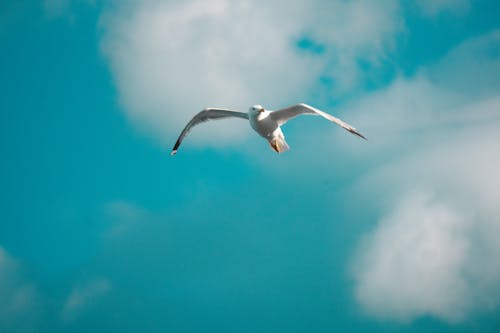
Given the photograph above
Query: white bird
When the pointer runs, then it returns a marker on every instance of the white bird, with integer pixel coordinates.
(265, 122)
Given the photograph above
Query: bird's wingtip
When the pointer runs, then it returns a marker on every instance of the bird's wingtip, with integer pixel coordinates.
(353, 131)
(362, 136)
(173, 152)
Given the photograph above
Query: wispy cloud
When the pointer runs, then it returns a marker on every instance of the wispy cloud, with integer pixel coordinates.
(433, 8)
(19, 298)
(82, 297)
(124, 217)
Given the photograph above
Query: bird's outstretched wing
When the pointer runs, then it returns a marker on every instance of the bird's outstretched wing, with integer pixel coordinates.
(283, 115)
(203, 116)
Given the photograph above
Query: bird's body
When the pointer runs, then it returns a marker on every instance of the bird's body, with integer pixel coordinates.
(262, 123)
(267, 127)
(266, 123)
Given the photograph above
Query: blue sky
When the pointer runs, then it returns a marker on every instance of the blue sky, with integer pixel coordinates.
(101, 229)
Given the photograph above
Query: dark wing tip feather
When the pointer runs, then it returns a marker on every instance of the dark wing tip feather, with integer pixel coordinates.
(353, 131)
(176, 146)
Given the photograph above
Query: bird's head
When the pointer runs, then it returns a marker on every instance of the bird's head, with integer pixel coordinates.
(256, 109)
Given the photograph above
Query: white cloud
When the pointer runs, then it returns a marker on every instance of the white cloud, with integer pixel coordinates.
(435, 7)
(18, 297)
(412, 263)
(460, 273)
(83, 296)
(434, 253)
(170, 59)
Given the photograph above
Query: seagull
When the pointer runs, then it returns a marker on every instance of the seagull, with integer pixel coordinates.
(266, 123)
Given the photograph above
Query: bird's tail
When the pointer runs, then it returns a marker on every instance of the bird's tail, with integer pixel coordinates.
(279, 144)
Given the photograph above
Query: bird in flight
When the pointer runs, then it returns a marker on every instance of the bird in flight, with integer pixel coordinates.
(265, 122)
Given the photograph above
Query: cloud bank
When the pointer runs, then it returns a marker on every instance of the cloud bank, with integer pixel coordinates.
(170, 59)
(433, 251)
(412, 263)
